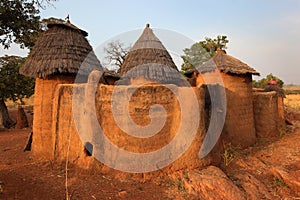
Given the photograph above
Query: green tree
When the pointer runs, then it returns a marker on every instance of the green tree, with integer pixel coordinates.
(262, 83)
(13, 86)
(20, 21)
(202, 51)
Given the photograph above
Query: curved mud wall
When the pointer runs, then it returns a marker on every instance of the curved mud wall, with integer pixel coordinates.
(269, 114)
(68, 142)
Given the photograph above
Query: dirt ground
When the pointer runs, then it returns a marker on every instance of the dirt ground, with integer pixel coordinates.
(21, 177)
(269, 170)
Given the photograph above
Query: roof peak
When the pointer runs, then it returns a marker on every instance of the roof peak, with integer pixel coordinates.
(148, 40)
(67, 24)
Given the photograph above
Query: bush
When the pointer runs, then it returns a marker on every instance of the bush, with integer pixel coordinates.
(262, 83)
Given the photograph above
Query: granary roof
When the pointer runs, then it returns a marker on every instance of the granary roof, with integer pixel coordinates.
(62, 49)
(280, 91)
(148, 58)
(227, 64)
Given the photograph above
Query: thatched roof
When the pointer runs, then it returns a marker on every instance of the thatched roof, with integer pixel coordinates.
(149, 59)
(227, 64)
(280, 91)
(62, 49)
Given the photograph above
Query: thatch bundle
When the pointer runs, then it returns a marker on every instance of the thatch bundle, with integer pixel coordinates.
(62, 49)
(226, 64)
(275, 88)
(149, 59)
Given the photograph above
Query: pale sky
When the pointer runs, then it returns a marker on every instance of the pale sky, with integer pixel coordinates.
(265, 34)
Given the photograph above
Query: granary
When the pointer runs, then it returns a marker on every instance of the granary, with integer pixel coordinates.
(269, 111)
(65, 125)
(59, 54)
(127, 111)
(67, 128)
(149, 61)
(236, 76)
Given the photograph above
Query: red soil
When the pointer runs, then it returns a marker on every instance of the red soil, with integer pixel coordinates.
(21, 177)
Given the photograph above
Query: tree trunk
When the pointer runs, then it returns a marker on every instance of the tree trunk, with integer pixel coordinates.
(5, 120)
(22, 121)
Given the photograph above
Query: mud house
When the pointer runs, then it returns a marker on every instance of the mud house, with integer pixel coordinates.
(81, 120)
(57, 130)
(55, 59)
(123, 127)
(236, 77)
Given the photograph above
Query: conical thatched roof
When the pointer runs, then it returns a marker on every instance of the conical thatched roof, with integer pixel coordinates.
(62, 49)
(227, 64)
(149, 59)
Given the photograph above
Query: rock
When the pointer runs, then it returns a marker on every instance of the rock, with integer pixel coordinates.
(290, 178)
(22, 121)
(212, 183)
(1, 189)
(254, 188)
(122, 193)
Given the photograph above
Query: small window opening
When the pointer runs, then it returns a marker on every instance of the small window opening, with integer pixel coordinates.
(88, 149)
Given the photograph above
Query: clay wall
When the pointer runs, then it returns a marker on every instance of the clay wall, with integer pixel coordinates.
(269, 114)
(239, 124)
(43, 140)
(68, 122)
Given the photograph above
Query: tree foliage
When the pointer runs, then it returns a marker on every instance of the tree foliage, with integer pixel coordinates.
(13, 85)
(202, 51)
(20, 21)
(116, 52)
(262, 83)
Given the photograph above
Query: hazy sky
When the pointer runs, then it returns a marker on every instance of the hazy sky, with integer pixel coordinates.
(265, 34)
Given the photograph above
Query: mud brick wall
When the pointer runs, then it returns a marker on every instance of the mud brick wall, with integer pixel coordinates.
(65, 131)
(239, 124)
(67, 141)
(281, 120)
(43, 139)
(139, 106)
(268, 108)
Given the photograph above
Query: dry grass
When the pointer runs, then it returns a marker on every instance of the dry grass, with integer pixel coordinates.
(293, 101)
(27, 101)
(291, 87)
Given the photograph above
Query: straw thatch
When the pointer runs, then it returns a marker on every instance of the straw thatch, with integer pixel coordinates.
(275, 88)
(227, 64)
(62, 49)
(149, 59)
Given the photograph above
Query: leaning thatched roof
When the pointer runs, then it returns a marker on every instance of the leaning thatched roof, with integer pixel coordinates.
(149, 59)
(227, 64)
(62, 49)
(280, 91)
